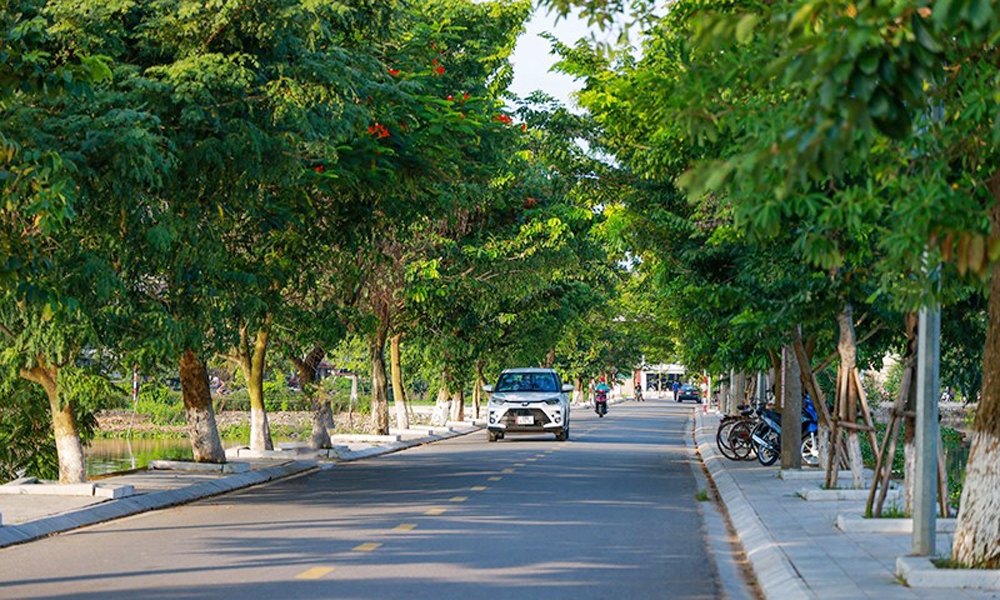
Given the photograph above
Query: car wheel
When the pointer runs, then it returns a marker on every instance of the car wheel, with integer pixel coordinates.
(561, 436)
(492, 435)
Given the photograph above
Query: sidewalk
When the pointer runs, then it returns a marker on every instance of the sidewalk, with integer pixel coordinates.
(794, 545)
(31, 511)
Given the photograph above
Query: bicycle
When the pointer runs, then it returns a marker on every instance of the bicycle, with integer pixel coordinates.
(724, 435)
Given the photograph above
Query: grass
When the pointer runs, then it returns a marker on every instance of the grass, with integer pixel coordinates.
(891, 511)
(701, 496)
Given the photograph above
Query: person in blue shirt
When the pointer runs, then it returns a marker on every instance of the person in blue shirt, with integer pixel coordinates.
(677, 389)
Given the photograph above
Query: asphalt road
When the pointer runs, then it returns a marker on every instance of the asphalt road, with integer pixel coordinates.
(612, 513)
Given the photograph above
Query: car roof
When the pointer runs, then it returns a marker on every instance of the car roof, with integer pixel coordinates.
(528, 370)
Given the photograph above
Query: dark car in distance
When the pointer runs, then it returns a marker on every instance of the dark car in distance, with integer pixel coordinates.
(689, 392)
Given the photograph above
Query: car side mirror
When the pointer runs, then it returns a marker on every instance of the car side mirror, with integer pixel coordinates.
(567, 387)
(488, 389)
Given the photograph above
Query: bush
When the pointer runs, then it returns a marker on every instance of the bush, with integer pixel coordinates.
(162, 405)
(26, 441)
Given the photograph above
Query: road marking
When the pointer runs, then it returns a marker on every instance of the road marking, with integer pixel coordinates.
(478, 488)
(436, 511)
(507, 471)
(458, 499)
(366, 547)
(405, 527)
(520, 465)
(314, 573)
(495, 478)
(531, 459)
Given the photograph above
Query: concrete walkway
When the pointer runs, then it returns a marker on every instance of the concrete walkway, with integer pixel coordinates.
(32, 511)
(794, 546)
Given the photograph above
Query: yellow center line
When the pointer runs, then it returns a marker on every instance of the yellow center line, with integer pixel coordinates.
(507, 471)
(495, 478)
(436, 511)
(366, 547)
(405, 527)
(458, 499)
(314, 573)
(478, 488)
(531, 459)
(519, 464)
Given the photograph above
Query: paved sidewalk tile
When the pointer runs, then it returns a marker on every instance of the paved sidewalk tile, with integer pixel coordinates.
(831, 564)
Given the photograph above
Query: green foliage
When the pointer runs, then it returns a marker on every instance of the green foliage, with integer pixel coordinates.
(26, 442)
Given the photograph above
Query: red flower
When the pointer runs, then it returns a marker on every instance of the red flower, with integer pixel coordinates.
(524, 126)
(434, 62)
(394, 72)
(465, 96)
(503, 119)
(450, 98)
(440, 70)
(378, 130)
(319, 168)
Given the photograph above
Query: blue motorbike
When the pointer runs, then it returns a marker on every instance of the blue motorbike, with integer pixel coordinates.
(767, 435)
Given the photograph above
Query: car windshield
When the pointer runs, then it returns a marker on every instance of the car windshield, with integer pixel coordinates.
(527, 382)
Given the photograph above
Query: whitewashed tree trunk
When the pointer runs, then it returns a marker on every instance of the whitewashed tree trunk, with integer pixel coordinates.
(442, 407)
(458, 405)
(823, 441)
(398, 391)
(353, 402)
(909, 474)
(977, 536)
(856, 460)
(69, 449)
(202, 430)
(847, 393)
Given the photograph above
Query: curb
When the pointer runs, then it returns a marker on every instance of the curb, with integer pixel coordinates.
(920, 572)
(775, 573)
(132, 505)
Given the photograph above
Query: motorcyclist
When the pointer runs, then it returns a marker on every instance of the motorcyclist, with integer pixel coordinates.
(601, 392)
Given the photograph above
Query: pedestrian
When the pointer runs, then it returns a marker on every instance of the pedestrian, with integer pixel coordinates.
(677, 389)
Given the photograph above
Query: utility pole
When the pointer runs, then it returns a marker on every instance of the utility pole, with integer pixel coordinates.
(925, 484)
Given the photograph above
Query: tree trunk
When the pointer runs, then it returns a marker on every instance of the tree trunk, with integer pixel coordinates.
(442, 406)
(252, 363)
(477, 391)
(791, 422)
(738, 392)
(380, 384)
(776, 367)
(847, 392)
(578, 393)
(204, 434)
(320, 416)
(458, 404)
(353, 402)
(977, 537)
(398, 391)
(550, 359)
(69, 450)
(912, 323)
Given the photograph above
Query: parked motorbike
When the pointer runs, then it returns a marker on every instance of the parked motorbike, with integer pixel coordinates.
(767, 435)
(601, 403)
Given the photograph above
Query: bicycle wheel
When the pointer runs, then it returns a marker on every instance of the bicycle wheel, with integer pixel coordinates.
(741, 441)
(722, 438)
(768, 453)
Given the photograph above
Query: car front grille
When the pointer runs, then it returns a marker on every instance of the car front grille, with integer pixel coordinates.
(510, 418)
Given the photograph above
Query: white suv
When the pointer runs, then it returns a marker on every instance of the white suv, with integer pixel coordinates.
(528, 401)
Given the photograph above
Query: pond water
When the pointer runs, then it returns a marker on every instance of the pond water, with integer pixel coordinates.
(109, 456)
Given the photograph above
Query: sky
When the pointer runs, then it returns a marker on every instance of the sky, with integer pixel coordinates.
(532, 58)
